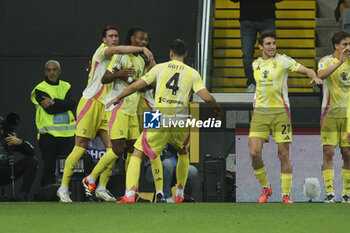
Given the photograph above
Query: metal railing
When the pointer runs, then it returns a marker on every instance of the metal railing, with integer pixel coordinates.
(203, 53)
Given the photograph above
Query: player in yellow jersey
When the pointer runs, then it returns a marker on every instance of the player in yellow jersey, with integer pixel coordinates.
(123, 121)
(271, 111)
(334, 70)
(91, 115)
(174, 83)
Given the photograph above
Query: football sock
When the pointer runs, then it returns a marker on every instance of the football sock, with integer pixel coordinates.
(127, 161)
(346, 181)
(286, 179)
(328, 177)
(104, 178)
(70, 164)
(260, 175)
(157, 172)
(133, 173)
(103, 164)
(182, 167)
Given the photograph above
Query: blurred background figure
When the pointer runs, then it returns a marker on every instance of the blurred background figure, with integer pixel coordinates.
(256, 16)
(9, 169)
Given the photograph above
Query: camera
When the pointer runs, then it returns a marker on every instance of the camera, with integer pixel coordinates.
(8, 126)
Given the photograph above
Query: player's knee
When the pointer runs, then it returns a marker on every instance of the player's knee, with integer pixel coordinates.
(283, 155)
(255, 153)
(328, 154)
(118, 150)
(182, 151)
(81, 142)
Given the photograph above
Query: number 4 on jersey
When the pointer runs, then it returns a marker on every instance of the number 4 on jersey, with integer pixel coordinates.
(172, 83)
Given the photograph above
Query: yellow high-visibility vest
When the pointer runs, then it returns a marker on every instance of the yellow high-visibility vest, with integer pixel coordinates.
(58, 125)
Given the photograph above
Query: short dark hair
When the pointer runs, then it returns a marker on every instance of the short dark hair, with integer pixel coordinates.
(179, 47)
(266, 34)
(132, 32)
(339, 36)
(107, 28)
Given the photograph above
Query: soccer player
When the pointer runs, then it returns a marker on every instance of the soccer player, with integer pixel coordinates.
(123, 120)
(271, 111)
(91, 115)
(174, 83)
(334, 70)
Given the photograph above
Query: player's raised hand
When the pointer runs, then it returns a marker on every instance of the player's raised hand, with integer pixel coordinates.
(113, 102)
(148, 54)
(344, 55)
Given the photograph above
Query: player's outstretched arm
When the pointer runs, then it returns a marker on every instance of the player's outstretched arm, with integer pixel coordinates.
(311, 74)
(122, 49)
(134, 87)
(123, 74)
(210, 100)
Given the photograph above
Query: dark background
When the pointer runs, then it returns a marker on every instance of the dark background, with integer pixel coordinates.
(33, 32)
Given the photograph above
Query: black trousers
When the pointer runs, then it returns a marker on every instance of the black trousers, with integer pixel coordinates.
(26, 167)
(51, 147)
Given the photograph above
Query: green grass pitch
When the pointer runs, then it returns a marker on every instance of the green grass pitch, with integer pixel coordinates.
(40, 217)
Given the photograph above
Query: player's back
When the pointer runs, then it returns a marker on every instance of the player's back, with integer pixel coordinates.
(174, 84)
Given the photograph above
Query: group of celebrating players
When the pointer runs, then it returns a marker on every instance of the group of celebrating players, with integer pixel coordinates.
(124, 81)
(110, 106)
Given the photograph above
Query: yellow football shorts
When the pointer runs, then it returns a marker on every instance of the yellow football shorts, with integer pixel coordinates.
(278, 124)
(333, 131)
(153, 141)
(91, 117)
(122, 126)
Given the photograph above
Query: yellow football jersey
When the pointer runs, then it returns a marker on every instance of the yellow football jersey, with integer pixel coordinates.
(271, 95)
(335, 88)
(121, 61)
(174, 84)
(95, 89)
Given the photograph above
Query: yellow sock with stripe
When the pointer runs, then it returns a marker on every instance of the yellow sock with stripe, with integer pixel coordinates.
(286, 179)
(103, 164)
(346, 181)
(70, 164)
(133, 173)
(183, 164)
(328, 177)
(127, 160)
(104, 178)
(157, 172)
(260, 175)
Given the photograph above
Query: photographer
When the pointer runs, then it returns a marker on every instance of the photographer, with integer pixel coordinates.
(25, 167)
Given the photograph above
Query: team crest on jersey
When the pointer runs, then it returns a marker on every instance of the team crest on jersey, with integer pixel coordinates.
(343, 75)
(265, 73)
